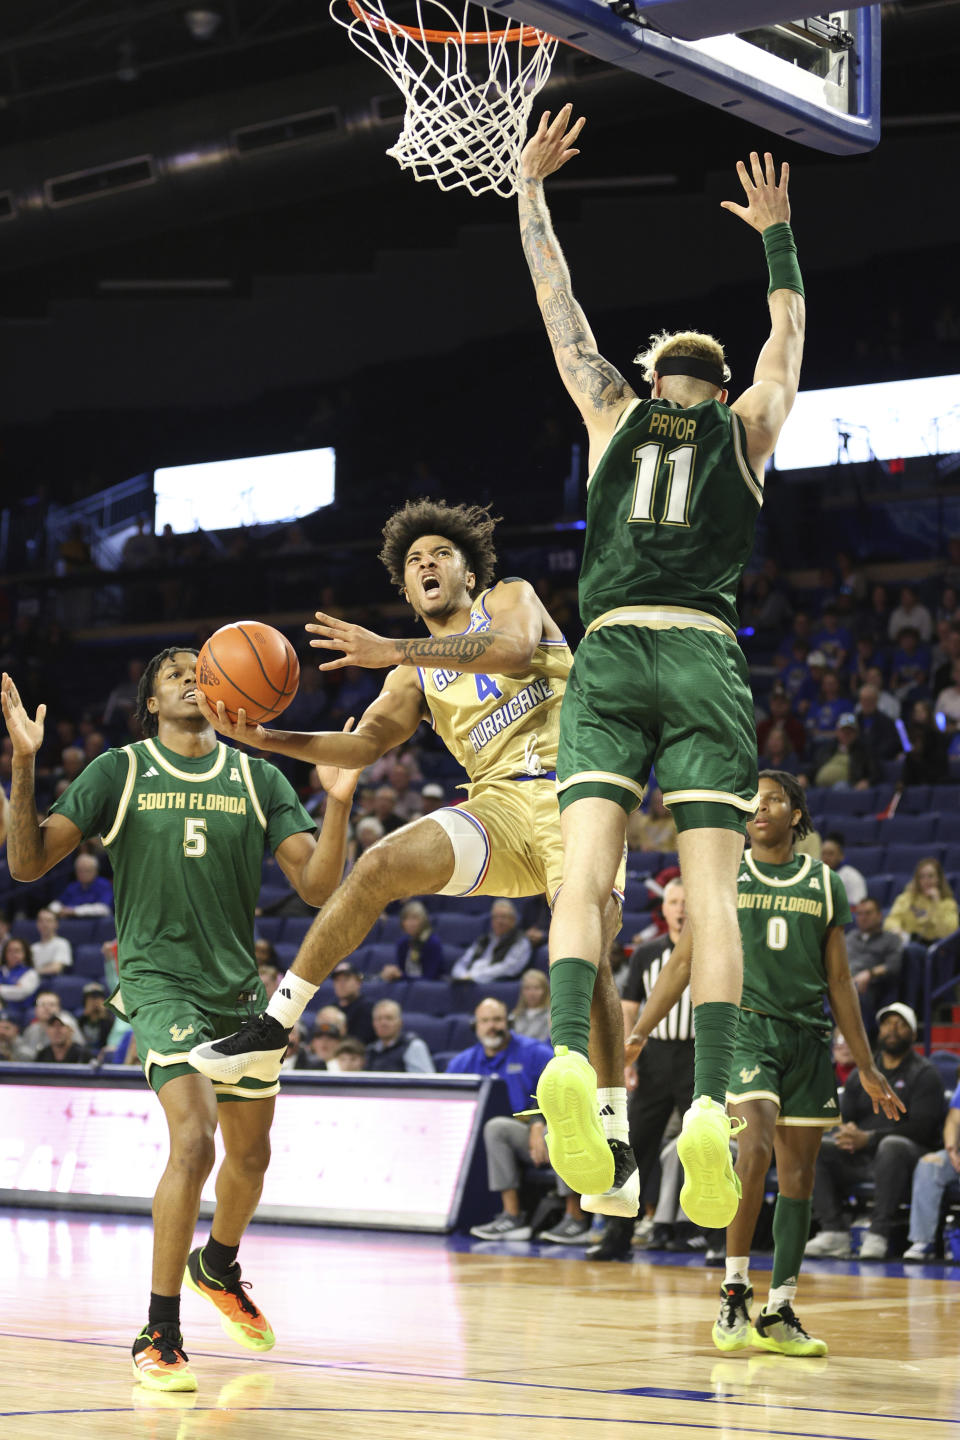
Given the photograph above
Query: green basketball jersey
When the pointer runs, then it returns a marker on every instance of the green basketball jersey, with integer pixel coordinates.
(785, 912)
(186, 838)
(671, 511)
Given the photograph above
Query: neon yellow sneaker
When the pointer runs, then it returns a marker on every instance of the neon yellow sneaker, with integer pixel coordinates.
(239, 1317)
(780, 1330)
(159, 1362)
(576, 1144)
(711, 1192)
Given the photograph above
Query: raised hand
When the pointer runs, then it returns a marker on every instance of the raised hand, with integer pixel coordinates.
(767, 200)
(255, 736)
(338, 782)
(26, 735)
(551, 145)
(360, 647)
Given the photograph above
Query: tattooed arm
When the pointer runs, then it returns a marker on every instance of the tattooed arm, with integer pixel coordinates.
(596, 387)
(516, 629)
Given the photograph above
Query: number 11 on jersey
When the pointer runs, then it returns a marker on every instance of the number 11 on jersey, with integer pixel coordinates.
(649, 459)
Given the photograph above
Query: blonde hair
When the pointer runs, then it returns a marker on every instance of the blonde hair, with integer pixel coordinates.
(521, 1005)
(681, 342)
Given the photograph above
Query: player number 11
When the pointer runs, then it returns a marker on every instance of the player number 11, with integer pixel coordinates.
(649, 458)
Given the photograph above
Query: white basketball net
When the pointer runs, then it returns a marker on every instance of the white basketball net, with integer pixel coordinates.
(459, 129)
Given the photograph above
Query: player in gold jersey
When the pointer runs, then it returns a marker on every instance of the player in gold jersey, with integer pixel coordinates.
(489, 677)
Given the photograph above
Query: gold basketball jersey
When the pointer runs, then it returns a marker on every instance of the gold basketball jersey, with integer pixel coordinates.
(499, 726)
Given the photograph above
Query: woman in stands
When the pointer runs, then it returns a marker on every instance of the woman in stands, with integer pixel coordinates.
(419, 954)
(926, 910)
(18, 978)
(532, 1014)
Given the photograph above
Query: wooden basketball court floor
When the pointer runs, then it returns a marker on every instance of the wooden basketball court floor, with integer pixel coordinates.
(404, 1337)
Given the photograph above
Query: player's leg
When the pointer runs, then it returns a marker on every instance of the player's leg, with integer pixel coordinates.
(190, 1109)
(777, 1327)
(419, 859)
(212, 1269)
(731, 1330)
(593, 831)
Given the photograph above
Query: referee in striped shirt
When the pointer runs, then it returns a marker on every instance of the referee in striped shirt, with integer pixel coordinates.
(664, 1068)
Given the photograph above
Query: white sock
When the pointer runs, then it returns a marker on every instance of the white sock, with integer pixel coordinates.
(783, 1295)
(612, 1104)
(290, 999)
(737, 1270)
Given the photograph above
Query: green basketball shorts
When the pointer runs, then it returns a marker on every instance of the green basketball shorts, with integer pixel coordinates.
(166, 1031)
(788, 1064)
(677, 698)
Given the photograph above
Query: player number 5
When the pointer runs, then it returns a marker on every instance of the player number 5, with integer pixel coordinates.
(194, 837)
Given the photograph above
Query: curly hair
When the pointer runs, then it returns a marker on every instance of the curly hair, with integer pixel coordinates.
(469, 527)
(145, 718)
(681, 342)
(794, 792)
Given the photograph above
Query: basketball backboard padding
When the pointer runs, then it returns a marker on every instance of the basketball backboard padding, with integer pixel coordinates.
(731, 73)
(696, 19)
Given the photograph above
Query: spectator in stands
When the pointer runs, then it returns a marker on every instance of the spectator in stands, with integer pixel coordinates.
(833, 638)
(875, 620)
(63, 1045)
(329, 1028)
(926, 761)
(406, 801)
(95, 1020)
(52, 954)
(652, 827)
(121, 703)
(11, 1045)
(765, 608)
(18, 979)
(500, 953)
(809, 692)
(947, 702)
(851, 584)
(396, 1048)
(419, 953)
(384, 808)
(46, 1002)
(90, 893)
(926, 909)
(348, 988)
(910, 668)
(944, 666)
(832, 853)
(845, 761)
(367, 831)
(887, 702)
(269, 972)
(531, 1017)
(351, 1054)
(298, 1056)
(512, 1143)
(936, 1178)
(875, 956)
(778, 754)
(72, 761)
(801, 629)
(868, 1146)
(824, 713)
(910, 614)
(780, 718)
(843, 1063)
(877, 731)
(432, 798)
(866, 657)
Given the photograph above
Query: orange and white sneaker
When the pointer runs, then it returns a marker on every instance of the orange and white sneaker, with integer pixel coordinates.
(159, 1362)
(239, 1317)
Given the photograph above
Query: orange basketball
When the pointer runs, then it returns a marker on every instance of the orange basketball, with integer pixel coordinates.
(249, 666)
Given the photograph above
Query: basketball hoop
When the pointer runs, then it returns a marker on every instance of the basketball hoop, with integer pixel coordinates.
(459, 129)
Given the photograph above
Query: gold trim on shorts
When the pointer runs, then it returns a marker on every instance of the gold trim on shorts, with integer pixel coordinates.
(661, 617)
(713, 797)
(222, 1088)
(754, 1095)
(606, 777)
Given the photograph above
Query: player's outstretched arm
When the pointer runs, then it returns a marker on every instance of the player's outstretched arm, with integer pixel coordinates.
(388, 721)
(315, 867)
(845, 1007)
(765, 406)
(32, 848)
(516, 627)
(670, 985)
(596, 387)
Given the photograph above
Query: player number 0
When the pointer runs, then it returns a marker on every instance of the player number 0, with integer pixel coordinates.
(777, 933)
(649, 458)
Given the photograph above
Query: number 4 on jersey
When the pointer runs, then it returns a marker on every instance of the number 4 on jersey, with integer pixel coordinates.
(486, 686)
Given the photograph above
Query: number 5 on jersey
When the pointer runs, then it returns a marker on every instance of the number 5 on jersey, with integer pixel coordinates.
(194, 837)
(650, 459)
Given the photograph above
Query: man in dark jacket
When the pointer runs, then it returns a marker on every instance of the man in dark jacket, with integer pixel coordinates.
(868, 1146)
(877, 731)
(396, 1048)
(845, 760)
